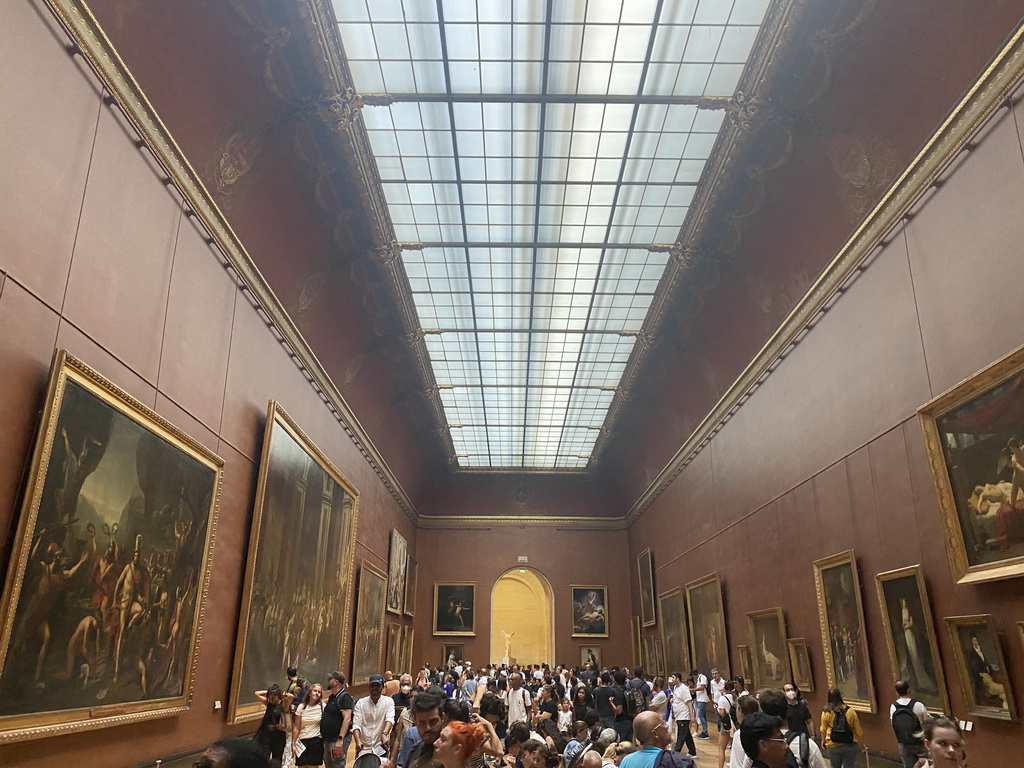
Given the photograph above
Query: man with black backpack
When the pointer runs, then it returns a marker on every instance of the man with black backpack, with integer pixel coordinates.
(633, 703)
(908, 716)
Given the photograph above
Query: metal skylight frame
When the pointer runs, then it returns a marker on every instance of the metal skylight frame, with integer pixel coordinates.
(533, 182)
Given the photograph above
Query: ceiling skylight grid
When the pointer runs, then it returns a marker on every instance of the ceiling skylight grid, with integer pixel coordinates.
(536, 150)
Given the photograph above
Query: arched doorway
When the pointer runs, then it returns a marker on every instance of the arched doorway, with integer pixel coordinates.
(523, 603)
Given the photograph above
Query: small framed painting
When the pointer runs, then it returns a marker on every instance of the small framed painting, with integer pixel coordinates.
(591, 654)
(767, 631)
(646, 571)
(800, 661)
(980, 665)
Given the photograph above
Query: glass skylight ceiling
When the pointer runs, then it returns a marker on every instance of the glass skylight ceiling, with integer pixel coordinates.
(535, 150)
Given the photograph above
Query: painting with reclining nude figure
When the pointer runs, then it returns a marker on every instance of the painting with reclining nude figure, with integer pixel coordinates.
(299, 573)
(974, 441)
(107, 581)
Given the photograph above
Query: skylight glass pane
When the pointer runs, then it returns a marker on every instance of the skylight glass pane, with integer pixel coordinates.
(522, 208)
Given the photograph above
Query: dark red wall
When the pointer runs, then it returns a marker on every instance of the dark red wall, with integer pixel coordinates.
(97, 257)
(827, 454)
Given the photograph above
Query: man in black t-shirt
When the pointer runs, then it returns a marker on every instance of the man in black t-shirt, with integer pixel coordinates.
(336, 722)
(607, 701)
(623, 720)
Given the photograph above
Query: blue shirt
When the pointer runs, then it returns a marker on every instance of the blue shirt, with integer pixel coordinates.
(643, 759)
(409, 741)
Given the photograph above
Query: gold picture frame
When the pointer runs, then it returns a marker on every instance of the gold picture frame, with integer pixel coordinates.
(301, 497)
(408, 645)
(672, 607)
(398, 562)
(645, 570)
(454, 608)
(969, 435)
(708, 634)
(659, 658)
(411, 577)
(843, 632)
(589, 610)
(800, 663)
(910, 636)
(766, 633)
(393, 648)
(102, 468)
(981, 667)
(369, 637)
(746, 665)
(638, 656)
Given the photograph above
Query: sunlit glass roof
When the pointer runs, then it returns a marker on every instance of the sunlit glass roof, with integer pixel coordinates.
(534, 151)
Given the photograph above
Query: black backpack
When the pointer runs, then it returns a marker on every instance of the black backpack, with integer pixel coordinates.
(906, 724)
(841, 733)
(636, 702)
(804, 759)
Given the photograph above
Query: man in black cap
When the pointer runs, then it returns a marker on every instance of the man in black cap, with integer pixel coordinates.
(372, 721)
(336, 723)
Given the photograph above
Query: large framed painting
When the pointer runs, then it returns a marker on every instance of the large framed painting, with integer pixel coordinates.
(452, 654)
(707, 625)
(974, 440)
(981, 668)
(646, 570)
(369, 626)
(106, 585)
(746, 665)
(766, 632)
(800, 661)
(393, 649)
(411, 575)
(454, 608)
(300, 562)
(843, 636)
(396, 573)
(910, 636)
(591, 654)
(589, 611)
(634, 626)
(672, 605)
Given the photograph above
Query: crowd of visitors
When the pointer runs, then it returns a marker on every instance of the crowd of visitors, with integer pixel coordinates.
(538, 717)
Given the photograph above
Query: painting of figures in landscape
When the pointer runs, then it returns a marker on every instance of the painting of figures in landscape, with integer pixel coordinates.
(842, 629)
(589, 611)
(910, 635)
(707, 625)
(369, 631)
(104, 592)
(673, 631)
(301, 549)
(974, 437)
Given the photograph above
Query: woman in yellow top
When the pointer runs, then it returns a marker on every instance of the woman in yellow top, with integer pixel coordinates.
(840, 728)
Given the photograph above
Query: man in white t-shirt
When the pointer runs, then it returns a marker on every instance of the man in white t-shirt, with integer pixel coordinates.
(910, 750)
(682, 711)
(372, 721)
(700, 691)
(716, 685)
(518, 701)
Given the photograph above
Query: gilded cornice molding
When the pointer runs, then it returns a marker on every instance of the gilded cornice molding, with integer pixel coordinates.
(989, 93)
(96, 49)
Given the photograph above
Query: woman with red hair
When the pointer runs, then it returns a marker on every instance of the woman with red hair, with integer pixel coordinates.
(457, 743)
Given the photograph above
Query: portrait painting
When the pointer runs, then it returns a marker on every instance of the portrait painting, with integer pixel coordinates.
(746, 665)
(634, 626)
(910, 636)
(452, 654)
(707, 625)
(800, 661)
(107, 580)
(411, 574)
(589, 611)
(369, 625)
(591, 654)
(299, 564)
(454, 608)
(646, 571)
(393, 649)
(843, 637)
(974, 440)
(766, 632)
(978, 654)
(672, 605)
(397, 572)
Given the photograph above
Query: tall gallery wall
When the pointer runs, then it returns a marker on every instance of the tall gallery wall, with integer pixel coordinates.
(97, 257)
(827, 454)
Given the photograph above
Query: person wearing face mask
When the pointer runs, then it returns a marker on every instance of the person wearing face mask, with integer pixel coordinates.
(798, 714)
(336, 723)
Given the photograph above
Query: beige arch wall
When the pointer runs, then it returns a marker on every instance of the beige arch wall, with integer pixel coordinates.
(522, 602)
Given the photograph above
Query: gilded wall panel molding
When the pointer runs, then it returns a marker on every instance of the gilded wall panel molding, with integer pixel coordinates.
(96, 49)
